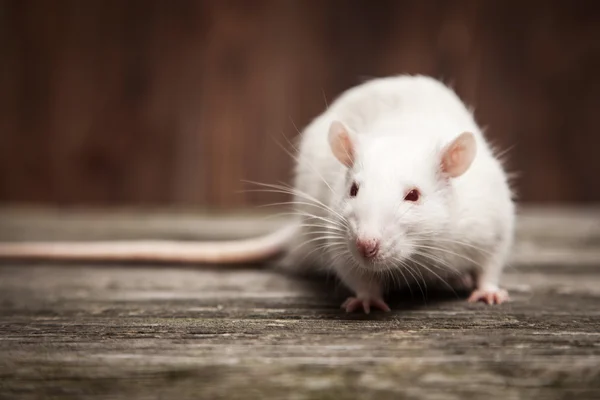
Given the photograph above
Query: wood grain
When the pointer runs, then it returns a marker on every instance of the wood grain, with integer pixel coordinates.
(147, 332)
(162, 103)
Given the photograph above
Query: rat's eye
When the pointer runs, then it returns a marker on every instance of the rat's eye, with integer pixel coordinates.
(354, 190)
(413, 195)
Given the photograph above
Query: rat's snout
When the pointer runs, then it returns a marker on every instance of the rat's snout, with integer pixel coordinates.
(368, 248)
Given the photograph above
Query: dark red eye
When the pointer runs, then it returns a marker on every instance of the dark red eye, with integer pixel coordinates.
(413, 195)
(354, 190)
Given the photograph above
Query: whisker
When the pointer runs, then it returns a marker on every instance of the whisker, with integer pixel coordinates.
(417, 271)
(315, 170)
(390, 276)
(305, 243)
(324, 232)
(405, 280)
(293, 191)
(316, 224)
(295, 203)
(280, 188)
(458, 242)
(319, 226)
(445, 266)
(416, 281)
(441, 249)
(310, 216)
(436, 275)
(326, 248)
(320, 238)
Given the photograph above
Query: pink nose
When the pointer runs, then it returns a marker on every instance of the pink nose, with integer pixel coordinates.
(367, 248)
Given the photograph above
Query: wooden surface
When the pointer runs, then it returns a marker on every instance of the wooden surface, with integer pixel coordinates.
(161, 102)
(152, 332)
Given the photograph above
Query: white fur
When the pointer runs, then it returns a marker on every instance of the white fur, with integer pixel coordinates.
(399, 126)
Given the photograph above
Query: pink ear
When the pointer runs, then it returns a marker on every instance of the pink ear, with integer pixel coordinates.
(341, 144)
(458, 155)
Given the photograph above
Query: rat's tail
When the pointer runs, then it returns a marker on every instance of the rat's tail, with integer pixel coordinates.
(250, 250)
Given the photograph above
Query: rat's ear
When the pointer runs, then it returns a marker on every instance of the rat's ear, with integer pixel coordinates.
(341, 143)
(458, 155)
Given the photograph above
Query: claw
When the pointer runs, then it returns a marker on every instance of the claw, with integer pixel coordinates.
(353, 303)
(489, 296)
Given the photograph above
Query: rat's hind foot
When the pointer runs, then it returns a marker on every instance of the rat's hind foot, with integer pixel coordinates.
(489, 296)
(353, 303)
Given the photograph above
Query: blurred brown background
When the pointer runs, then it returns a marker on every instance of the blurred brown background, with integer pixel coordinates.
(175, 102)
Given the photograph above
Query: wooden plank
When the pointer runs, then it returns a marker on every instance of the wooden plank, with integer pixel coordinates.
(144, 332)
(149, 333)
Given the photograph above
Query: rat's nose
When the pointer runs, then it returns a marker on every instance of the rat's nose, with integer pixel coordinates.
(368, 248)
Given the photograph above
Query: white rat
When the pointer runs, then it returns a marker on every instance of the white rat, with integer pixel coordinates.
(394, 180)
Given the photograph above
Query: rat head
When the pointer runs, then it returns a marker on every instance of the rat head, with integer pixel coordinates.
(398, 191)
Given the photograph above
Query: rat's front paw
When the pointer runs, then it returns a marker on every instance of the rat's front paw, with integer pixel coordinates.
(353, 303)
(492, 295)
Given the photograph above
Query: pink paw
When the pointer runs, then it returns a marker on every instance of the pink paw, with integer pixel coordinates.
(353, 303)
(489, 296)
